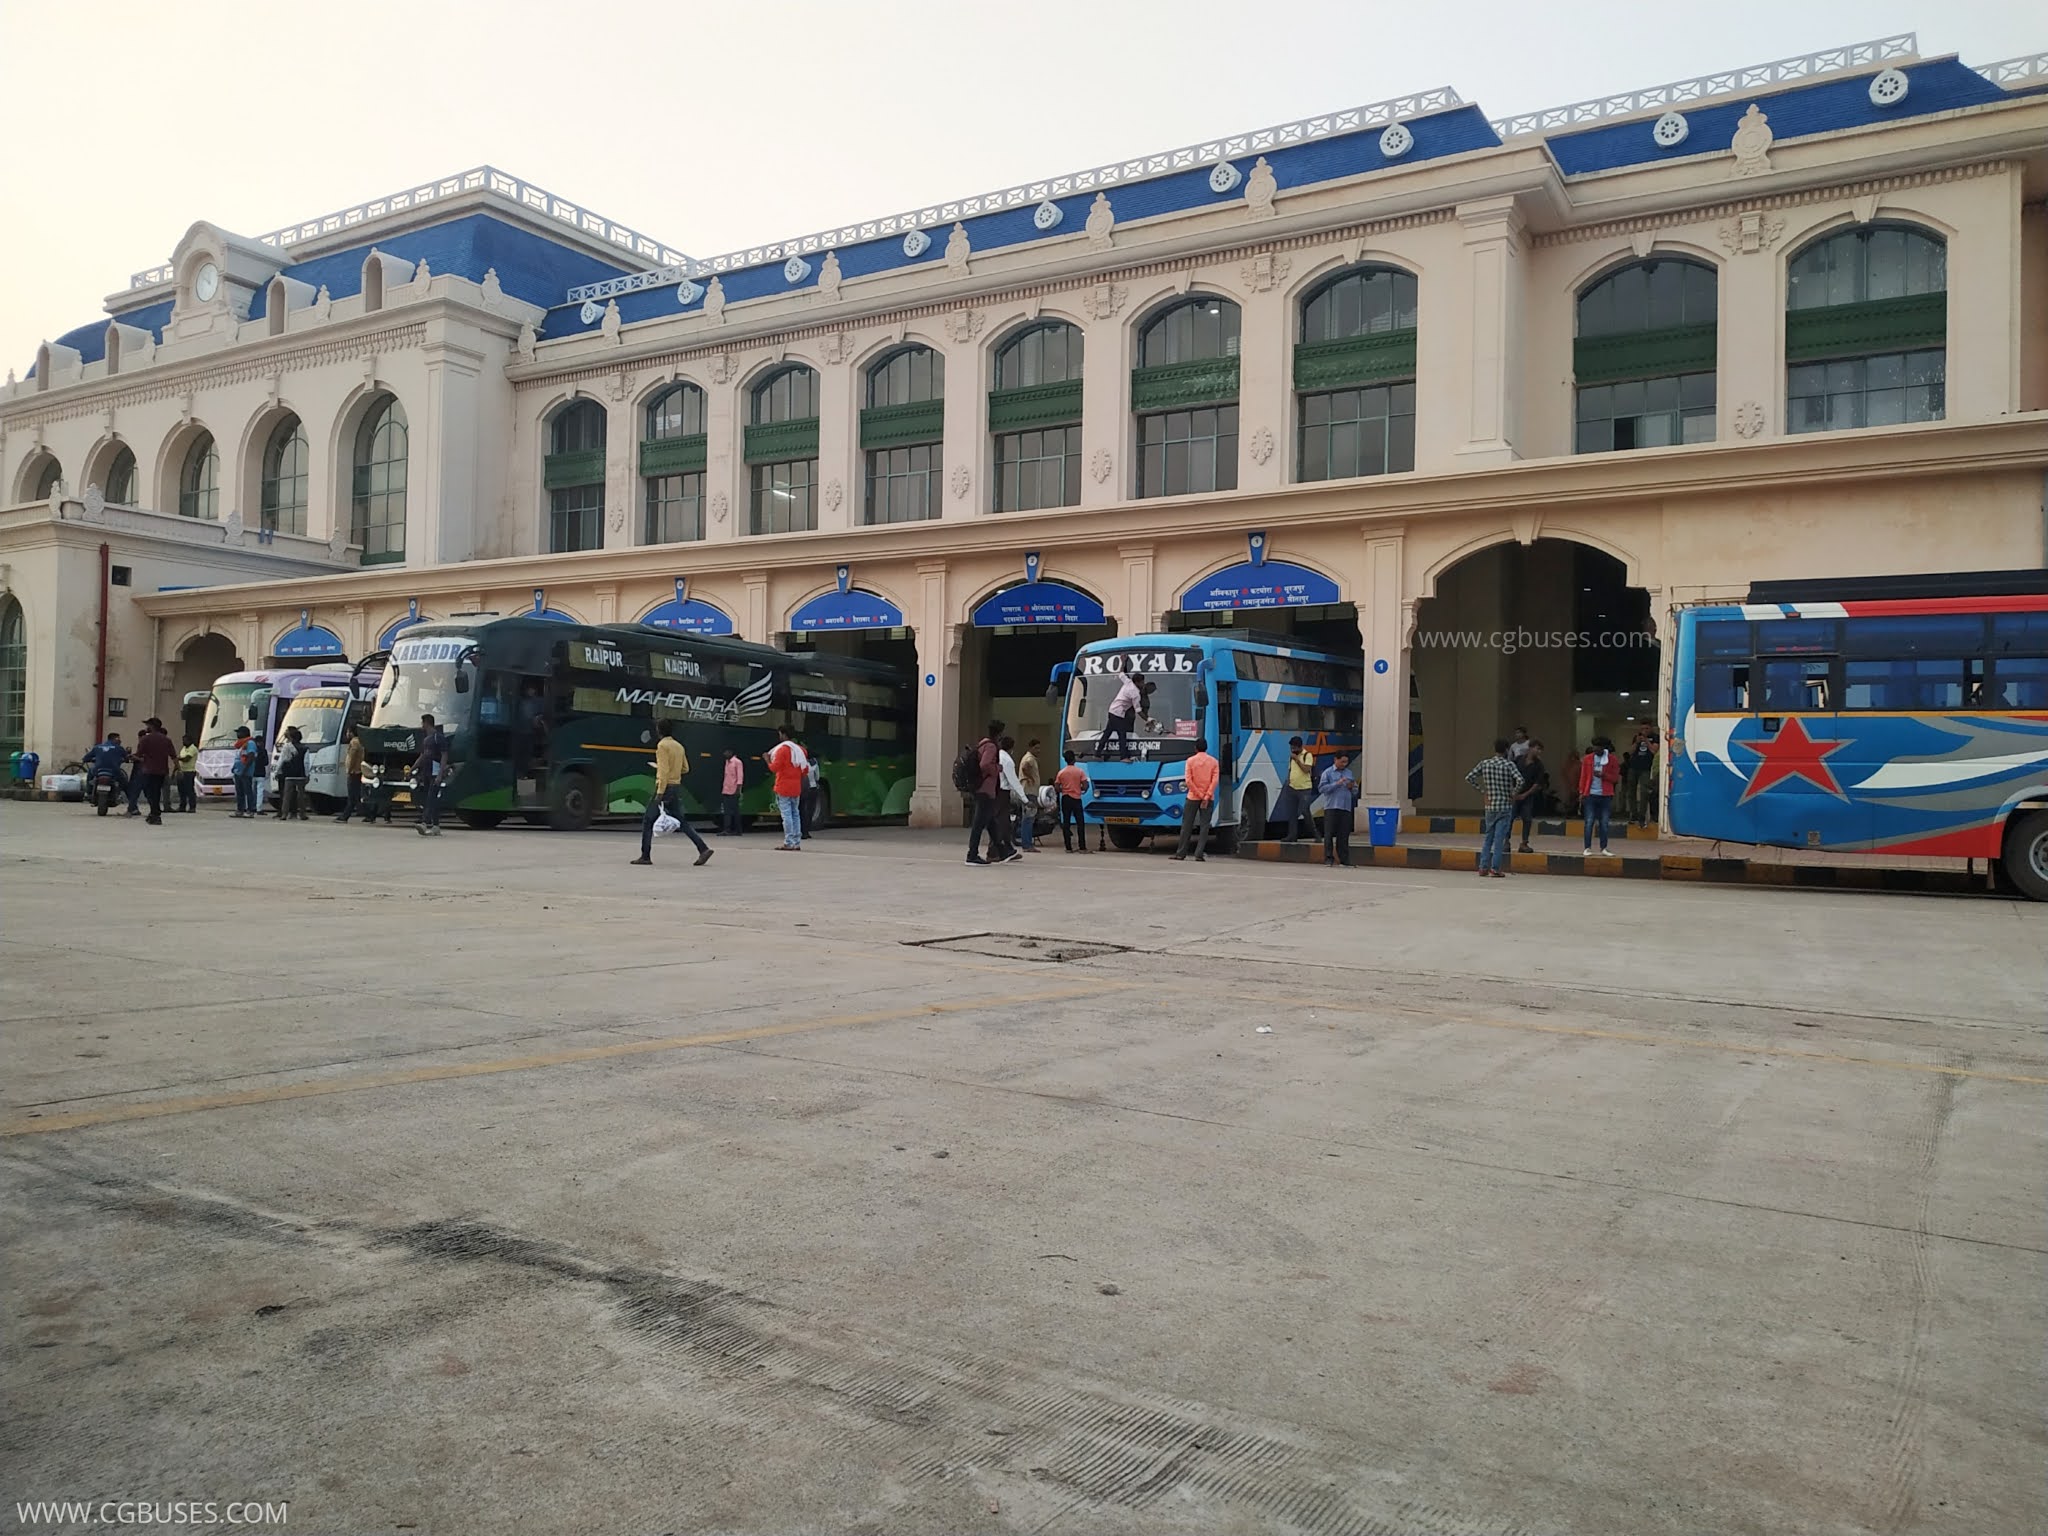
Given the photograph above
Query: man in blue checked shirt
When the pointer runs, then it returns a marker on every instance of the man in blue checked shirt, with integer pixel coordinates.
(1500, 781)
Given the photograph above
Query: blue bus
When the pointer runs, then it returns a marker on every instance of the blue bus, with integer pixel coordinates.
(1906, 725)
(1244, 694)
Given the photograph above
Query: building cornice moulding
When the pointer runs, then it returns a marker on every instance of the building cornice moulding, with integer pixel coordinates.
(1809, 197)
(277, 355)
(2016, 444)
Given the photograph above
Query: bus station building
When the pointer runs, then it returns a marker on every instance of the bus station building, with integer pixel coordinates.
(1481, 399)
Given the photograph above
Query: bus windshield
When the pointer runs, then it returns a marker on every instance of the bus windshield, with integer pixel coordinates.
(234, 704)
(427, 677)
(1167, 725)
(319, 717)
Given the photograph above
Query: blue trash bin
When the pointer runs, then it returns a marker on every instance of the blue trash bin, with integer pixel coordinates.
(1381, 823)
(25, 766)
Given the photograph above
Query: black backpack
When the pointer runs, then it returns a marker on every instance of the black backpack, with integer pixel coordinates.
(967, 769)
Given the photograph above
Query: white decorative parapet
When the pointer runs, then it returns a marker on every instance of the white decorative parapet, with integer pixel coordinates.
(2028, 66)
(482, 178)
(1028, 194)
(1729, 82)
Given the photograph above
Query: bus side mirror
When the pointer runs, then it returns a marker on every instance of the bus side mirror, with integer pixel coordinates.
(1061, 673)
(1201, 695)
(462, 682)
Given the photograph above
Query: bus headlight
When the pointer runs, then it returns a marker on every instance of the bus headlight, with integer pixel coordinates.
(1173, 786)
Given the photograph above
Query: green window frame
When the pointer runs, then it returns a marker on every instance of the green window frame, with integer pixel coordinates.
(1866, 329)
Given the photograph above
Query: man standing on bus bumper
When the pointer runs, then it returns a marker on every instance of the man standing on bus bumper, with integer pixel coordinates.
(1198, 811)
(671, 762)
(1500, 780)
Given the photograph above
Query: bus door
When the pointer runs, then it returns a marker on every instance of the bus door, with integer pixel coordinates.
(1795, 797)
(1223, 740)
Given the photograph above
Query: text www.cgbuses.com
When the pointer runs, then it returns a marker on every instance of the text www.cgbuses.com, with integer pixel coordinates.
(164, 1512)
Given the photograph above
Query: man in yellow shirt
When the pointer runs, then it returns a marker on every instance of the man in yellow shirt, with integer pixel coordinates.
(1295, 804)
(671, 762)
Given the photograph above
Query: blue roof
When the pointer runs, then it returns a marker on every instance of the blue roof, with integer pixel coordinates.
(529, 266)
(1455, 132)
(1940, 85)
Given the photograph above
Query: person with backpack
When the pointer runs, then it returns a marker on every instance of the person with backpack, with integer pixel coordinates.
(791, 767)
(291, 776)
(978, 771)
(1639, 777)
(245, 772)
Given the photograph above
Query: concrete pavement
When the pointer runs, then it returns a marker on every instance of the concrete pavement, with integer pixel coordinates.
(486, 1183)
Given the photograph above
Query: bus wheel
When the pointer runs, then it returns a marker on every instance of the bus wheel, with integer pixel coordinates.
(1126, 838)
(573, 802)
(2026, 854)
(1251, 815)
(821, 813)
(481, 821)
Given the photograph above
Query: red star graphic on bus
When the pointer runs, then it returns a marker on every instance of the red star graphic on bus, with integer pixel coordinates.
(1791, 754)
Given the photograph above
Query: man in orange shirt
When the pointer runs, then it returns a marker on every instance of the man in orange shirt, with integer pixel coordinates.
(790, 767)
(1198, 812)
(1072, 783)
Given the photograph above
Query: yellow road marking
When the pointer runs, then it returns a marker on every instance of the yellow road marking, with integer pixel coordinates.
(154, 1109)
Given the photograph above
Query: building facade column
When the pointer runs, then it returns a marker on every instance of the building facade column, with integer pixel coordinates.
(964, 490)
(725, 472)
(1133, 606)
(1494, 280)
(1106, 477)
(934, 802)
(1264, 391)
(1749, 341)
(1382, 626)
(621, 474)
(444, 514)
(839, 456)
(756, 622)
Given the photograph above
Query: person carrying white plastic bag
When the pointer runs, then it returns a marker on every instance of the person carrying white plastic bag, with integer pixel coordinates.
(671, 762)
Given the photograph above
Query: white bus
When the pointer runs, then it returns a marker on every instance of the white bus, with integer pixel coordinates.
(322, 716)
(258, 700)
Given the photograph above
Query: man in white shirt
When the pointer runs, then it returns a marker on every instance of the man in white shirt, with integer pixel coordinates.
(1013, 791)
(1518, 746)
(1123, 713)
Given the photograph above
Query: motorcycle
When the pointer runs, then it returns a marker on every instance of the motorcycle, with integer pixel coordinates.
(104, 788)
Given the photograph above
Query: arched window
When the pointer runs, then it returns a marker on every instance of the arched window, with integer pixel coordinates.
(284, 478)
(782, 451)
(574, 477)
(199, 480)
(901, 430)
(377, 505)
(1866, 330)
(1034, 414)
(1644, 357)
(13, 675)
(47, 479)
(672, 465)
(1354, 375)
(1184, 396)
(120, 487)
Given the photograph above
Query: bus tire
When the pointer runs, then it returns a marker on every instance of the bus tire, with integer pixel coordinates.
(1251, 815)
(480, 821)
(821, 813)
(2026, 854)
(572, 803)
(1126, 838)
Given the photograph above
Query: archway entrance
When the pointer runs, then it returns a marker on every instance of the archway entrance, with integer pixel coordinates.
(199, 661)
(1548, 635)
(868, 760)
(1014, 638)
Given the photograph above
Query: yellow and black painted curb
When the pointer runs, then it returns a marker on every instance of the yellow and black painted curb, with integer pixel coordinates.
(1669, 866)
(1550, 826)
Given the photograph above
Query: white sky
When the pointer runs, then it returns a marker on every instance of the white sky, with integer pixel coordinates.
(711, 127)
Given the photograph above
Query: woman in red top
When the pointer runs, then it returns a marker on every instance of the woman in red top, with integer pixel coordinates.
(1599, 773)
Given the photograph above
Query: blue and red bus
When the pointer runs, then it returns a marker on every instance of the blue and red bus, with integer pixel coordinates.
(1902, 724)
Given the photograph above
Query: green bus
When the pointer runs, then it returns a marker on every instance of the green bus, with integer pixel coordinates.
(556, 723)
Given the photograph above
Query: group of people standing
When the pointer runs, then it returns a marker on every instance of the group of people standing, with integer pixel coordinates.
(157, 764)
(1515, 784)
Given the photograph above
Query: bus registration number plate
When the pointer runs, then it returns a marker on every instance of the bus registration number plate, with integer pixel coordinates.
(1121, 821)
